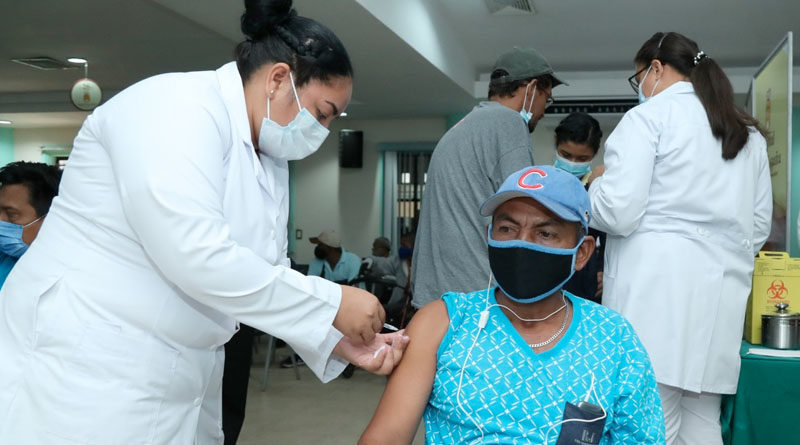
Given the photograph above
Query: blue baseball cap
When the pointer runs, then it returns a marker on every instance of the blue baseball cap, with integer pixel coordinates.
(561, 192)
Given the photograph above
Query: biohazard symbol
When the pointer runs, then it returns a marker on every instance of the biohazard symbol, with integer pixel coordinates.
(777, 289)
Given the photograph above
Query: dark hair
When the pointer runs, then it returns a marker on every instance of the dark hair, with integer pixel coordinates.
(579, 128)
(507, 89)
(383, 242)
(728, 123)
(275, 33)
(41, 180)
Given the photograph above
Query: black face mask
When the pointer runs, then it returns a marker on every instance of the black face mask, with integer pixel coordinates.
(528, 272)
(320, 253)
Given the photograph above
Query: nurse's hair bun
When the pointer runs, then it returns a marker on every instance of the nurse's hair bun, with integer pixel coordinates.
(276, 34)
(265, 17)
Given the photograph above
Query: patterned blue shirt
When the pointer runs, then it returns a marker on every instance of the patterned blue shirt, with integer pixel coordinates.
(516, 395)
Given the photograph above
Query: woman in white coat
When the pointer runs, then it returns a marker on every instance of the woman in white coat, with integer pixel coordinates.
(169, 229)
(686, 201)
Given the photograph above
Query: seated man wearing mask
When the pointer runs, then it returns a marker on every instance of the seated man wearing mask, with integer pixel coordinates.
(26, 191)
(577, 142)
(524, 361)
(331, 261)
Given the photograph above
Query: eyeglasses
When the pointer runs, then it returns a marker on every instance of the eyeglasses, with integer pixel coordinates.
(549, 101)
(635, 83)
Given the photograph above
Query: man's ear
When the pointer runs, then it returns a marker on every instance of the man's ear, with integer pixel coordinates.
(524, 87)
(585, 251)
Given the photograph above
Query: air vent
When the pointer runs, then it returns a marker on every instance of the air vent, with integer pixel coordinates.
(599, 106)
(45, 63)
(510, 7)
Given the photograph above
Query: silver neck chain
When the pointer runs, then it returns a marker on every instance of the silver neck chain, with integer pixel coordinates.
(558, 332)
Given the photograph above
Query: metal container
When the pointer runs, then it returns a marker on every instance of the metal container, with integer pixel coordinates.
(781, 329)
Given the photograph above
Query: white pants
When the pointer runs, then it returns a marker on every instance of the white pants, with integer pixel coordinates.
(691, 418)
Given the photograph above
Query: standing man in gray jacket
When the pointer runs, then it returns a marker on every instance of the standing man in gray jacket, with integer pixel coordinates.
(469, 163)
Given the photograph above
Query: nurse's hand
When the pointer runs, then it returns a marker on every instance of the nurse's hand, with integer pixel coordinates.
(379, 356)
(597, 172)
(360, 315)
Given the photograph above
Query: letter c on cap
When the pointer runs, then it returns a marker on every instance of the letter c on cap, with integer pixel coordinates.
(525, 175)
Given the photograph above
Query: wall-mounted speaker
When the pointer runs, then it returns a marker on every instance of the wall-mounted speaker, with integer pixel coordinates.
(351, 147)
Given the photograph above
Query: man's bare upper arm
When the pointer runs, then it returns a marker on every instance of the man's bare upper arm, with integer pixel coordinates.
(398, 414)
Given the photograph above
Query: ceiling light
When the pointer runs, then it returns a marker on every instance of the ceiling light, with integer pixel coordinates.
(344, 114)
(44, 63)
(76, 60)
(4, 122)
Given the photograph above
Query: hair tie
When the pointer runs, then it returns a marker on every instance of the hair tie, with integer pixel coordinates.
(700, 56)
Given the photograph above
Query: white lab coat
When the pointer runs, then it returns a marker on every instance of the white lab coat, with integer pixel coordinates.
(683, 227)
(168, 229)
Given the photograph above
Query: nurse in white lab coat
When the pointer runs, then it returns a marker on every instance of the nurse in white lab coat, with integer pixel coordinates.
(686, 201)
(170, 227)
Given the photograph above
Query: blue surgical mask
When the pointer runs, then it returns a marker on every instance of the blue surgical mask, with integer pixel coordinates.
(642, 98)
(527, 114)
(576, 168)
(11, 242)
(302, 137)
(527, 272)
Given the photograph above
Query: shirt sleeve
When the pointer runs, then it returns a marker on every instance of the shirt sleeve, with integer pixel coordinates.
(619, 197)
(637, 416)
(168, 163)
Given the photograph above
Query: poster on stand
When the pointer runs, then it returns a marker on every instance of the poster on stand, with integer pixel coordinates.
(771, 104)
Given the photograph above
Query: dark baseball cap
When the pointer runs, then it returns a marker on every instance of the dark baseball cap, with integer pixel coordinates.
(523, 63)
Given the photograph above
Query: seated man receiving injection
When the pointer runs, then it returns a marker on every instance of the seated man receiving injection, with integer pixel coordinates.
(524, 361)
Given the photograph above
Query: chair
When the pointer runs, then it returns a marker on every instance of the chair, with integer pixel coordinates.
(302, 268)
(268, 360)
(383, 288)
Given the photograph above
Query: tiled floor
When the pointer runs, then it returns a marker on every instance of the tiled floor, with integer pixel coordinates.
(306, 411)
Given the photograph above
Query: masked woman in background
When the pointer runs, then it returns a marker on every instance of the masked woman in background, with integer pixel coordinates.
(686, 203)
(577, 142)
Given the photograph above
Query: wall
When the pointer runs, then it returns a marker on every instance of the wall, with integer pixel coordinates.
(349, 200)
(28, 141)
(6, 145)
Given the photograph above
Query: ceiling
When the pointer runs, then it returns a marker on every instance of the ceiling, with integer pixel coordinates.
(412, 58)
